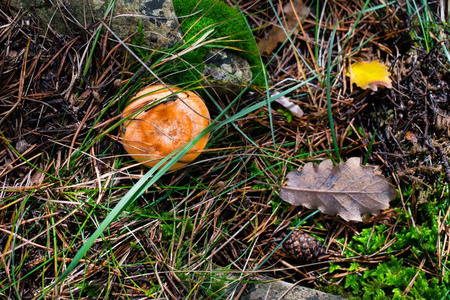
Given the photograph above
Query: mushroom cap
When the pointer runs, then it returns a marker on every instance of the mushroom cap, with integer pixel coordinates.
(160, 120)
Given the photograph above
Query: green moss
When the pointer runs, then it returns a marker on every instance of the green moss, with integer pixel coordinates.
(395, 277)
(139, 39)
(389, 279)
(225, 21)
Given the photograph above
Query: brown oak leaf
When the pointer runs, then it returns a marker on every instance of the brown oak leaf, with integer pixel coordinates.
(348, 189)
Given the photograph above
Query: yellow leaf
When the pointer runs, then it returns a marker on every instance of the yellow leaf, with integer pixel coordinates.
(370, 75)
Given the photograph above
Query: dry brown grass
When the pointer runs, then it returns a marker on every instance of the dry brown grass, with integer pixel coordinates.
(62, 170)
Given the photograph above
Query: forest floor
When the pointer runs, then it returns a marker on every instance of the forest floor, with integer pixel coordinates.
(63, 170)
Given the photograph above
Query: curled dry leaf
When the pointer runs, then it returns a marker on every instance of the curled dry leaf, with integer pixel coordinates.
(370, 75)
(348, 189)
(293, 12)
(442, 120)
(291, 106)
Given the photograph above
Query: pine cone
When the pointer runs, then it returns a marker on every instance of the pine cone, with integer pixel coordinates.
(302, 246)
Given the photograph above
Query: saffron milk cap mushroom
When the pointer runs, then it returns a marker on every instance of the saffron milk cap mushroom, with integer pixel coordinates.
(159, 120)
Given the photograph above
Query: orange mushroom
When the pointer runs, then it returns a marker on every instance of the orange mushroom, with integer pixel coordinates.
(160, 120)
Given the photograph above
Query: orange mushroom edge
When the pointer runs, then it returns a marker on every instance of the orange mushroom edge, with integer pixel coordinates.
(158, 120)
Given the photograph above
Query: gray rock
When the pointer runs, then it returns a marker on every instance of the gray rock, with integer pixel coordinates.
(265, 287)
(158, 17)
(276, 289)
(226, 73)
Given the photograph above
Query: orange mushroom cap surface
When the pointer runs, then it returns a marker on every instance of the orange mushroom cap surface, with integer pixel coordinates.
(160, 120)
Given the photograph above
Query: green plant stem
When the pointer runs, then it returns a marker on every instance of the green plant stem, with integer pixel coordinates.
(369, 150)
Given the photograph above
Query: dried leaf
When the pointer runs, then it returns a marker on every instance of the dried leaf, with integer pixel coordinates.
(442, 120)
(292, 107)
(292, 12)
(348, 189)
(409, 136)
(370, 75)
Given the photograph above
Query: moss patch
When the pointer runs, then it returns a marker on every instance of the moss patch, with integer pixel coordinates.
(225, 21)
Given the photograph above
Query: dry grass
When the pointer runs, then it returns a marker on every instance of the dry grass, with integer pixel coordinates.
(63, 170)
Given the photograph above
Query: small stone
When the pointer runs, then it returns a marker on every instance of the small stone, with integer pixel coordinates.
(22, 146)
(226, 72)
